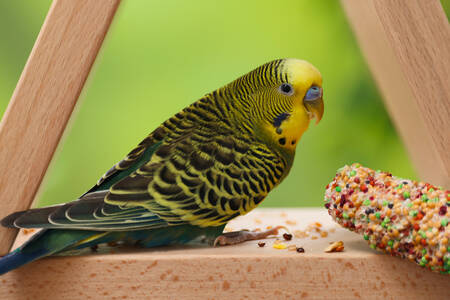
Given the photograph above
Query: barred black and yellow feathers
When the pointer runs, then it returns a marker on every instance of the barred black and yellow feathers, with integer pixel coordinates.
(213, 161)
(201, 175)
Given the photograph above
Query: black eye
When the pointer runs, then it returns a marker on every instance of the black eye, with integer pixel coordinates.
(286, 89)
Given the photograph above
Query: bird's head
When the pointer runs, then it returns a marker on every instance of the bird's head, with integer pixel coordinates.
(279, 99)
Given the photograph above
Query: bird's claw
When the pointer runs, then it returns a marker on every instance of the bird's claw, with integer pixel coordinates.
(237, 237)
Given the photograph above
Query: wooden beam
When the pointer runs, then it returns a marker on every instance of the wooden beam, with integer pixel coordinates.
(44, 98)
(407, 47)
(244, 271)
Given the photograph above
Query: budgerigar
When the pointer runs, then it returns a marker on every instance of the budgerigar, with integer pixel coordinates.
(215, 160)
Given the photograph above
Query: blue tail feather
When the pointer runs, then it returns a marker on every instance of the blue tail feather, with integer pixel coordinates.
(45, 243)
(18, 258)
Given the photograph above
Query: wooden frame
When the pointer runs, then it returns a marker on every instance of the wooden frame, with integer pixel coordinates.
(44, 98)
(407, 45)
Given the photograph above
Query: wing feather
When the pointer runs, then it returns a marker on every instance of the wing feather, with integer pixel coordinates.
(189, 171)
(89, 212)
(205, 176)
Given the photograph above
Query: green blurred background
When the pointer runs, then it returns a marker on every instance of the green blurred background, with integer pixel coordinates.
(160, 56)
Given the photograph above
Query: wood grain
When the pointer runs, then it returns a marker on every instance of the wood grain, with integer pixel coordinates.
(407, 47)
(44, 98)
(243, 271)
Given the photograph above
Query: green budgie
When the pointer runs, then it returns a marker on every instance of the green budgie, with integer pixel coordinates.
(215, 160)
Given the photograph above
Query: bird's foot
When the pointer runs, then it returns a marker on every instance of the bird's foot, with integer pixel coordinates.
(237, 237)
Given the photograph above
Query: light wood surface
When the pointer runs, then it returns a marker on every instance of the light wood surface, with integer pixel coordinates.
(407, 47)
(45, 97)
(243, 271)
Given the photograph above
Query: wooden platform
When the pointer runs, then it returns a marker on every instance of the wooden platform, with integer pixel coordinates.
(245, 271)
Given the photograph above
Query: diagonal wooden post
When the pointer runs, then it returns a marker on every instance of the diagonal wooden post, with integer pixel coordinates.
(44, 99)
(407, 47)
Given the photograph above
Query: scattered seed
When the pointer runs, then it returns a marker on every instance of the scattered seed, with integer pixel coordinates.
(300, 250)
(290, 222)
(279, 246)
(300, 234)
(261, 244)
(287, 236)
(335, 247)
(292, 248)
(28, 231)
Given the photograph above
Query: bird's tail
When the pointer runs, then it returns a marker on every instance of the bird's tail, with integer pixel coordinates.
(45, 243)
(17, 259)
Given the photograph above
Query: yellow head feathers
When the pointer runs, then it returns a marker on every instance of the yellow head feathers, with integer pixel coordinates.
(277, 100)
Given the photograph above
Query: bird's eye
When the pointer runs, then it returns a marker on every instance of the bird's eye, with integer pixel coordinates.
(286, 89)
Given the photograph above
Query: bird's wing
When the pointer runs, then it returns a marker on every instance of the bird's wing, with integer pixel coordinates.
(203, 177)
(137, 157)
(90, 212)
(199, 175)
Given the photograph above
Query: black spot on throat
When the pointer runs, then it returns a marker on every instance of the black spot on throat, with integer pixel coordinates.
(279, 119)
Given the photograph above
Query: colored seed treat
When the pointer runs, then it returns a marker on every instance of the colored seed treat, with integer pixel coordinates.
(401, 217)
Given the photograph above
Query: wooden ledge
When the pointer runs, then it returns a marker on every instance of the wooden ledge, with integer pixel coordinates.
(233, 272)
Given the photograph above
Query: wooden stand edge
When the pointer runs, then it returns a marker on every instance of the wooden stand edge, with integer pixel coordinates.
(407, 47)
(44, 99)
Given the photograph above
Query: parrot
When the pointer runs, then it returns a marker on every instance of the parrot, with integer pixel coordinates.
(213, 161)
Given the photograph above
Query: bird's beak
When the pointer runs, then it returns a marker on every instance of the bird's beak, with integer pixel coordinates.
(315, 107)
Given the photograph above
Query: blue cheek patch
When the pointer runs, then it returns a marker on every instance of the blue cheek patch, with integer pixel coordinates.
(313, 93)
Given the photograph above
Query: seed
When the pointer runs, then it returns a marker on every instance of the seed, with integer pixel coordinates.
(291, 222)
(261, 244)
(335, 247)
(300, 250)
(279, 246)
(287, 236)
